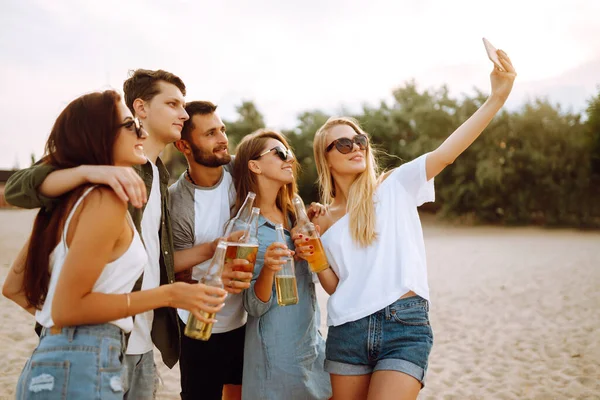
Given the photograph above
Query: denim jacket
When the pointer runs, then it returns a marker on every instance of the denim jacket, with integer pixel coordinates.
(284, 352)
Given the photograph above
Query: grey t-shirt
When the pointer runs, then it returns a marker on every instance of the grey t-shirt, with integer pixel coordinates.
(199, 215)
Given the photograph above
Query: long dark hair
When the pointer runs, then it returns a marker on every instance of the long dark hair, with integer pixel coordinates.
(84, 133)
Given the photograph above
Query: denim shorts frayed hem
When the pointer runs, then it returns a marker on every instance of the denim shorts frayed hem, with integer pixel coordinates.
(395, 338)
(389, 364)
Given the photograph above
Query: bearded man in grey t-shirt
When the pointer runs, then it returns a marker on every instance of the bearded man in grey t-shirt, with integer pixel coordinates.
(202, 200)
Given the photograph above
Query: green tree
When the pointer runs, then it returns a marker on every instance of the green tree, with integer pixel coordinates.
(538, 164)
(248, 120)
(593, 125)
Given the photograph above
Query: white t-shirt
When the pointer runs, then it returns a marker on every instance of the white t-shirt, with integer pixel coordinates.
(374, 277)
(199, 215)
(140, 341)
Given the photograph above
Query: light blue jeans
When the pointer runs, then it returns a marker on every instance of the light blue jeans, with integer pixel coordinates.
(140, 378)
(80, 362)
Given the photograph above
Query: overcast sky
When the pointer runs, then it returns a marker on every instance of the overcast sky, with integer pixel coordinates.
(287, 56)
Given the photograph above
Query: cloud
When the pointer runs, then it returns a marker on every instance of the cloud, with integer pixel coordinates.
(572, 89)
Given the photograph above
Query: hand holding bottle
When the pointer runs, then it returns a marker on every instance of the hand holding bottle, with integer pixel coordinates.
(199, 299)
(314, 254)
(273, 257)
(285, 277)
(235, 279)
(242, 248)
(304, 249)
(200, 326)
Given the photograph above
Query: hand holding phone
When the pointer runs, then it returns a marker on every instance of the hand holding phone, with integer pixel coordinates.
(493, 55)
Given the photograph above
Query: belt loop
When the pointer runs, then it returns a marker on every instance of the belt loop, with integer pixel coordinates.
(70, 333)
(387, 313)
(124, 341)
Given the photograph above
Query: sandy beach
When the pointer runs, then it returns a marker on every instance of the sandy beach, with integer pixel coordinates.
(515, 313)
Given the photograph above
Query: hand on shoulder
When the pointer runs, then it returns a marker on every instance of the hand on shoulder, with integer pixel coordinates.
(125, 181)
(323, 221)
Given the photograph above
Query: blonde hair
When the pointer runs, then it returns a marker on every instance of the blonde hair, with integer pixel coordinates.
(360, 205)
(245, 180)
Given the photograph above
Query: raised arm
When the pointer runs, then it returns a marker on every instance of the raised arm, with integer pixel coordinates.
(466, 134)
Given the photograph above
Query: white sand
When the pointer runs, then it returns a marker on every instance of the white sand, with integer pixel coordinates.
(515, 313)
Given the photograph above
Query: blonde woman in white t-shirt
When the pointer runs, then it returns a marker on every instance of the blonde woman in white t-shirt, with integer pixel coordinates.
(379, 336)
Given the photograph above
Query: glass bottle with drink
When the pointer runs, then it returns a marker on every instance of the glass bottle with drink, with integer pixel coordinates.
(285, 278)
(242, 219)
(195, 328)
(317, 261)
(247, 247)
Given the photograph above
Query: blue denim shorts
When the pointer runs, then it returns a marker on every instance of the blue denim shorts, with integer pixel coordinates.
(80, 362)
(396, 338)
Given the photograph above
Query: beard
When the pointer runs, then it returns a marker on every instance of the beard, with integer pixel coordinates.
(208, 158)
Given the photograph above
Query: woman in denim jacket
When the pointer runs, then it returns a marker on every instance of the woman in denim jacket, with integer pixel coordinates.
(284, 351)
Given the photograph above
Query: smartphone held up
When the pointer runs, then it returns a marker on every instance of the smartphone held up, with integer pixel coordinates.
(493, 54)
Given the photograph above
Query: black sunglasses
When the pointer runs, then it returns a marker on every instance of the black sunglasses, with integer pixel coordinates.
(283, 153)
(345, 145)
(134, 123)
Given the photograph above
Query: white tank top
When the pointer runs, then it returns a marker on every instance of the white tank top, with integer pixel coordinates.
(117, 277)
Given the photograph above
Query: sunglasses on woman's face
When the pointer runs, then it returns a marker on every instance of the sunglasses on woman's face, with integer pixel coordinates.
(281, 152)
(345, 145)
(132, 125)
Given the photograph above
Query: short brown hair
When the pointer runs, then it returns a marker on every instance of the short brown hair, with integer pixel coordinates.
(195, 108)
(142, 84)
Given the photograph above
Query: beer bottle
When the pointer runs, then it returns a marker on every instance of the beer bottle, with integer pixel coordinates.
(242, 219)
(247, 247)
(285, 278)
(317, 261)
(195, 328)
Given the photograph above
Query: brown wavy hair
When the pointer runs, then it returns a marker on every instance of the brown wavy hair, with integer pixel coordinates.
(245, 180)
(84, 134)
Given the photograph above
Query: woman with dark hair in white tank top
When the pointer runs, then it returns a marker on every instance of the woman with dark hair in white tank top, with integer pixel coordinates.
(77, 270)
